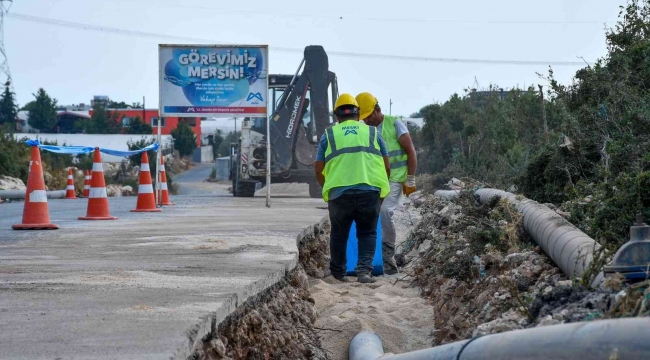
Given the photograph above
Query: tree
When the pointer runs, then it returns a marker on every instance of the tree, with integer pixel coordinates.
(217, 139)
(136, 159)
(8, 107)
(117, 105)
(224, 148)
(603, 156)
(28, 106)
(42, 113)
(103, 122)
(137, 126)
(184, 139)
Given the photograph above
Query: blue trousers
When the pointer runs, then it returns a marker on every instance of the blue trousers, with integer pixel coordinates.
(362, 208)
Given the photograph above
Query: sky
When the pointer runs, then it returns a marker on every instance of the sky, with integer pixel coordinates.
(48, 46)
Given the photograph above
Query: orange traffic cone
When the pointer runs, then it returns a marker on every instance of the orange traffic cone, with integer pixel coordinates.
(164, 197)
(70, 193)
(97, 199)
(146, 198)
(36, 214)
(87, 183)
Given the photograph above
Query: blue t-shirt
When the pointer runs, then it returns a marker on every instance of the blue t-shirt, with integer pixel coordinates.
(353, 189)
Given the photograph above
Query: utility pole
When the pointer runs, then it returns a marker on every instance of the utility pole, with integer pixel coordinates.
(144, 119)
(4, 63)
(390, 106)
(541, 95)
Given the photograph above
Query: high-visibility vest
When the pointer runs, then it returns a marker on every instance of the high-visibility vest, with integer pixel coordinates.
(397, 155)
(353, 157)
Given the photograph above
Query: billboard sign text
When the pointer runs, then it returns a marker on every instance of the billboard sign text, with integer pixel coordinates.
(205, 80)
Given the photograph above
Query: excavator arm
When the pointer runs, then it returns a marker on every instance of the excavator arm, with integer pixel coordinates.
(286, 121)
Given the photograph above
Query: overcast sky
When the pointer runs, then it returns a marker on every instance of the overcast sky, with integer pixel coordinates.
(72, 64)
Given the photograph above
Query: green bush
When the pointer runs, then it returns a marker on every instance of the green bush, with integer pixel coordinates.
(184, 139)
(14, 157)
(602, 168)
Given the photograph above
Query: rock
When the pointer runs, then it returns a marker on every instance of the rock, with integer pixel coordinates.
(449, 210)
(455, 184)
(547, 290)
(547, 321)
(11, 183)
(113, 190)
(496, 326)
(424, 247)
(515, 259)
(567, 283)
(127, 191)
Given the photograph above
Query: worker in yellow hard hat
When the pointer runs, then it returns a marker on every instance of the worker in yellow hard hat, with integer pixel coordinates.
(403, 163)
(352, 167)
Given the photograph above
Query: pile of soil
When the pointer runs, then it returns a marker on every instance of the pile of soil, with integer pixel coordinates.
(484, 275)
(278, 324)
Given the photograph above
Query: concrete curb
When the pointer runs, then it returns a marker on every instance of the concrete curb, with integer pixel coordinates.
(211, 322)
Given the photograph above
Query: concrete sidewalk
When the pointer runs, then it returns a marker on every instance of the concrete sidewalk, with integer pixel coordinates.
(144, 286)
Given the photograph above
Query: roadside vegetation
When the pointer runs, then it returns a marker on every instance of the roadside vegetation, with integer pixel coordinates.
(587, 147)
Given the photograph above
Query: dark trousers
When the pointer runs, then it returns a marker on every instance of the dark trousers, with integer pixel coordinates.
(363, 209)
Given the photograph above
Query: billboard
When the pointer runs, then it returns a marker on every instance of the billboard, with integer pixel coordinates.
(213, 80)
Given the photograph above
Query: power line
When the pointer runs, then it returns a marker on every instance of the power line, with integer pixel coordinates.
(89, 27)
(355, 17)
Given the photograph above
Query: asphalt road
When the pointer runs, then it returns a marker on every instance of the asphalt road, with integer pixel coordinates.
(146, 285)
(191, 182)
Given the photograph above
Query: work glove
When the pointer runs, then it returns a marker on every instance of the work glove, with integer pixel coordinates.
(409, 185)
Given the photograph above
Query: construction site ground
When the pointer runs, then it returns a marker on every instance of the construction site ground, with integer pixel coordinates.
(144, 286)
(390, 307)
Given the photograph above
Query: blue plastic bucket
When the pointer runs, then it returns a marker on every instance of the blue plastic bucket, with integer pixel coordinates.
(352, 252)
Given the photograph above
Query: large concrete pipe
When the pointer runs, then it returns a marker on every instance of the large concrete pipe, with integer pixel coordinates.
(20, 194)
(366, 345)
(594, 340)
(569, 248)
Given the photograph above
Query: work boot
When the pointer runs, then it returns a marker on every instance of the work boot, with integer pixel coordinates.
(365, 279)
(342, 279)
(390, 271)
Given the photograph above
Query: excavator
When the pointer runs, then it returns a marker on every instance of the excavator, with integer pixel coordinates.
(300, 114)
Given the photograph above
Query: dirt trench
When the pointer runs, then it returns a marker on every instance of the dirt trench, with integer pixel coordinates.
(309, 316)
(466, 269)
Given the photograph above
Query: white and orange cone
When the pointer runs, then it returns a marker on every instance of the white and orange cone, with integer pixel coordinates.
(162, 186)
(36, 215)
(97, 198)
(87, 183)
(146, 198)
(70, 192)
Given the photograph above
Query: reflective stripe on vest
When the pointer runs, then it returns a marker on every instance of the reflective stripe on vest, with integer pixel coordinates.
(397, 156)
(353, 157)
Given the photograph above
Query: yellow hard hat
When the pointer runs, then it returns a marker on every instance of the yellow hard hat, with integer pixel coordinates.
(367, 103)
(345, 99)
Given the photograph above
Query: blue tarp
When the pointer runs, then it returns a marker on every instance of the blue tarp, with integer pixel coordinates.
(77, 150)
(352, 253)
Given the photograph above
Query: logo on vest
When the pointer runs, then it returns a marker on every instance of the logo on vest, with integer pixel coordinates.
(350, 130)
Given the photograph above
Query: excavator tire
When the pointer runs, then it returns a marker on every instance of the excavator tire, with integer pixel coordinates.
(246, 188)
(242, 188)
(315, 190)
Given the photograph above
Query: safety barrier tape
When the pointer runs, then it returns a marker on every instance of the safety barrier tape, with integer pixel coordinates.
(77, 150)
